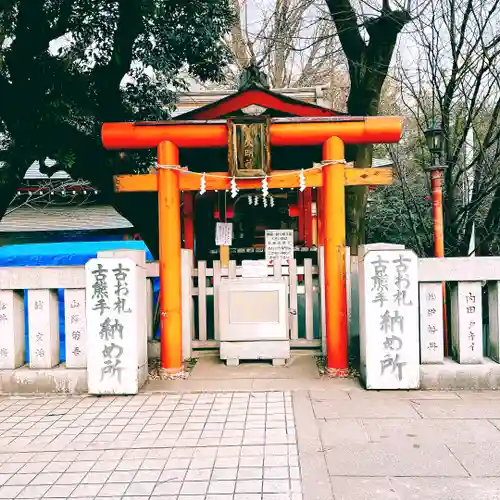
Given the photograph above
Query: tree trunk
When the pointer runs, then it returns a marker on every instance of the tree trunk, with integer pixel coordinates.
(489, 232)
(368, 67)
(361, 102)
(356, 198)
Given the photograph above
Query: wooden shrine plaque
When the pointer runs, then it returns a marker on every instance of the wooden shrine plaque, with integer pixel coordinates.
(248, 147)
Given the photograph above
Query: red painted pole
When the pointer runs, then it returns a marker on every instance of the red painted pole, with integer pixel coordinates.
(437, 209)
(300, 218)
(372, 129)
(437, 212)
(188, 212)
(308, 217)
(335, 258)
(169, 211)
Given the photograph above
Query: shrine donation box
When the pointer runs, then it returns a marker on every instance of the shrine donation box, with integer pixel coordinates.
(253, 320)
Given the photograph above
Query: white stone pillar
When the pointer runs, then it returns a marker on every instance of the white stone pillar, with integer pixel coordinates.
(494, 319)
(389, 338)
(116, 324)
(467, 322)
(187, 302)
(75, 328)
(43, 321)
(321, 269)
(431, 323)
(12, 343)
(354, 326)
(139, 257)
(150, 308)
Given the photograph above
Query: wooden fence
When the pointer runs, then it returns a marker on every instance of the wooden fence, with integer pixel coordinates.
(304, 300)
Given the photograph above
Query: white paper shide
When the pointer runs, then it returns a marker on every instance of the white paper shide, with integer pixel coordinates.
(389, 320)
(112, 325)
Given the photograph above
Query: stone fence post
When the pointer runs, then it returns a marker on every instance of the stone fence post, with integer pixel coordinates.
(389, 319)
(116, 322)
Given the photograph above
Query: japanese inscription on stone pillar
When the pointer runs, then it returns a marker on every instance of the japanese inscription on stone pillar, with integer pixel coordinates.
(389, 320)
(431, 323)
(112, 326)
(43, 321)
(11, 330)
(75, 328)
(467, 323)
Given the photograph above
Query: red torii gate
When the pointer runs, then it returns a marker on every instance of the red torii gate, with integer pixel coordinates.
(330, 132)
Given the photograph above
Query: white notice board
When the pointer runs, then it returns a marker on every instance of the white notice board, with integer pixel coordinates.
(224, 234)
(279, 245)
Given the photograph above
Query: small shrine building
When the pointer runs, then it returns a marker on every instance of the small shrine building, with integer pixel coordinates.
(260, 160)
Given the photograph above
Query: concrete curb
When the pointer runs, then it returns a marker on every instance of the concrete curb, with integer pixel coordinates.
(59, 380)
(314, 471)
(453, 376)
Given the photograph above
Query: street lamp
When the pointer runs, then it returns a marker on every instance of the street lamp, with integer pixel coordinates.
(434, 138)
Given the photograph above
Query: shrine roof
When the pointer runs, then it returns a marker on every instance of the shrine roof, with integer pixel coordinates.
(63, 218)
(277, 104)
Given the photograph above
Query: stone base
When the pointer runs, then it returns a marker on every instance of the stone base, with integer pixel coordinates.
(58, 380)
(276, 350)
(337, 372)
(451, 375)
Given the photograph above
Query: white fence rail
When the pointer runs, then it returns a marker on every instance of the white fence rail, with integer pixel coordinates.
(40, 290)
(474, 309)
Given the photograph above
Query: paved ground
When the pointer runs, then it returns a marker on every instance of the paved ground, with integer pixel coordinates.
(313, 439)
(238, 446)
(410, 445)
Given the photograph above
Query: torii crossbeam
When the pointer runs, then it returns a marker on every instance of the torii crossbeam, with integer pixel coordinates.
(331, 132)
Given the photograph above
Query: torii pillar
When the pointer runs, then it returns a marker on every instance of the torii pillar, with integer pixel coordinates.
(169, 215)
(334, 231)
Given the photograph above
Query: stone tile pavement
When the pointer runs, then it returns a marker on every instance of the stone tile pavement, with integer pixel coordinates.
(316, 439)
(238, 446)
(401, 445)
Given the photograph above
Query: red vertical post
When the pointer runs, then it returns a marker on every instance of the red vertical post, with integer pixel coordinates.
(188, 215)
(300, 217)
(320, 216)
(437, 213)
(335, 257)
(169, 211)
(308, 217)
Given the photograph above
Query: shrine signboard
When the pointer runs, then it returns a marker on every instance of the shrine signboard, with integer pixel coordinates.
(113, 326)
(389, 329)
(279, 245)
(224, 234)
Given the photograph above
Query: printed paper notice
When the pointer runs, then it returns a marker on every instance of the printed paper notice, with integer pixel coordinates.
(279, 245)
(224, 234)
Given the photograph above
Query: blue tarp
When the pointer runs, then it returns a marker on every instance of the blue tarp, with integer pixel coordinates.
(63, 254)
